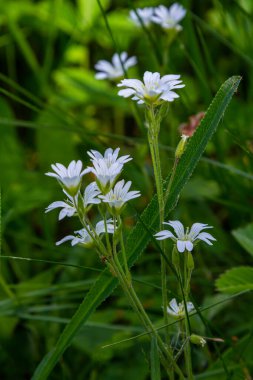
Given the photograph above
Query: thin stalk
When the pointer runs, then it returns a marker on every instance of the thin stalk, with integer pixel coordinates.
(187, 348)
(122, 244)
(166, 358)
(153, 132)
(173, 172)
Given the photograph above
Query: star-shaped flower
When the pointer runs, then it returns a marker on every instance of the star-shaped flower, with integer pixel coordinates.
(177, 310)
(118, 196)
(153, 90)
(169, 18)
(70, 178)
(106, 168)
(110, 156)
(114, 70)
(186, 240)
(145, 14)
(86, 237)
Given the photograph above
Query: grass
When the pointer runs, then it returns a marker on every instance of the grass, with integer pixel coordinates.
(54, 110)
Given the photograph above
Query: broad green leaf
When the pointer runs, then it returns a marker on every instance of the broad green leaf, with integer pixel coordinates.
(140, 235)
(244, 236)
(236, 280)
(154, 360)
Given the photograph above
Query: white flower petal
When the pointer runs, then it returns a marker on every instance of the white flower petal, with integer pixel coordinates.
(66, 238)
(189, 245)
(174, 306)
(165, 234)
(181, 246)
(178, 228)
(126, 92)
(204, 236)
(196, 228)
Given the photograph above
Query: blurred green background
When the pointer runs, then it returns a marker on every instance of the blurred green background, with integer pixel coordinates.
(52, 109)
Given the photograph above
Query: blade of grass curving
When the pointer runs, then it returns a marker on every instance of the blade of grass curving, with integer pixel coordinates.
(139, 237)
(205, 26)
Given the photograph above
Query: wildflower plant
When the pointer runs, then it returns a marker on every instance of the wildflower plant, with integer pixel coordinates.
(107, 194)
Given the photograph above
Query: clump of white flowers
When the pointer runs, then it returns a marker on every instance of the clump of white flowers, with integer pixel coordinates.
(167, 18)
(115, 69)
(104, 190)
(154, 90)
(185, 240)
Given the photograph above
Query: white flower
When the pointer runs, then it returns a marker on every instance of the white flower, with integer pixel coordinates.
(185, 240)
(169, 18)
(114, 70)
(90, 194)
(106, 168)
(145, 14)
(110, 156)
(86, 237)
(177, 310)
(154, 90)
(69, 177)
(118, 196)
(67, 209)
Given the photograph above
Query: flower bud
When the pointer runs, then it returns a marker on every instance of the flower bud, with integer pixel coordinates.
(190, 261)
(181, 146)
(197, 339)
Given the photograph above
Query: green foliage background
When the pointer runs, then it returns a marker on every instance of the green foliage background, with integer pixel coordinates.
(52, 109)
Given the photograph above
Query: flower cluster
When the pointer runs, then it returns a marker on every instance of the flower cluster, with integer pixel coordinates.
(167, 18)
(105, 189)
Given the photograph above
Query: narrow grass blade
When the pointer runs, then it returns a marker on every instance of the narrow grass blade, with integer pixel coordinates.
(154, 360)
(139, 237)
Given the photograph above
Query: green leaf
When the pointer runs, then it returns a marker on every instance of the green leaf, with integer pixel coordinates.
(154, 360)
(244, 236)
(235, 280)
(140, 235)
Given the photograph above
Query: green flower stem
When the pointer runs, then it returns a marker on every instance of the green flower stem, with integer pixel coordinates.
(122, 244)
(173, 172)
(153, 133)
(187, 348)
(166, 358)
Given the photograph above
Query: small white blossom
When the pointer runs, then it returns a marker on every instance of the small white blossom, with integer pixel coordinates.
(69, 177)
(90, 194)
(177, 310)
(67, 209)
(169, 18)
(106, 168)
(110, 156)
(86, 237)
(185, 240)
(114, 70)
(153, 90)
(145, 14)
(118, 196)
